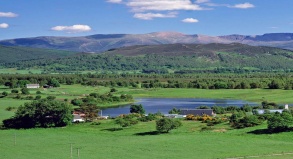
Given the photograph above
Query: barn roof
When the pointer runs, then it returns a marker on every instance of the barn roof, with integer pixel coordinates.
(196, 112)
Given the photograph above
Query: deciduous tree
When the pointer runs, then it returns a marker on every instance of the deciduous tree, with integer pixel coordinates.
(164, 125)
(41, 113)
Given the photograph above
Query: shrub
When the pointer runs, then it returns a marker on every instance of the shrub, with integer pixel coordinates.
(29, 98)
(51, 97)
(113, 90)
(174, 111)
(25, 91)
(149, 117)
(247, 121)
(77, 102)
(164, 125)
(137, 109)
(190, 117)
(14, 91)
(280, 122)
(127, 120)
(4, 94)
(38, 97)
(10, 108)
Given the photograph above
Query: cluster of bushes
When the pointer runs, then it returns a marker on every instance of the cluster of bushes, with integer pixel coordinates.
(163, 125)
(30, 97)
(239, 121)
(40, 113)
(276, 121)
(202, 118)
(207, 119)
(127, 120)
(95, 98)
(280, 122)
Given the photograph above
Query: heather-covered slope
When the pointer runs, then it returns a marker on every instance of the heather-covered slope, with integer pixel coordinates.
(15, 53)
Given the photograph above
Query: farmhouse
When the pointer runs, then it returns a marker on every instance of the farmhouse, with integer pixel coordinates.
(32, 86)
(77, 118)
(197, 112)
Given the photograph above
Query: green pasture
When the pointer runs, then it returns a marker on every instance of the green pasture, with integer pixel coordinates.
(107, 140)
(6, 102)
(16, 71)
(78, 91)
(65, 91)
(253, 95)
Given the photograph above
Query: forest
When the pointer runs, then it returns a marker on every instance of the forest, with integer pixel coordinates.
(197, 81)
(158, 59)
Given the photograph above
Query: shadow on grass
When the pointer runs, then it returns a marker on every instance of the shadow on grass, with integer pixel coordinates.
(113, 129)
(267, 131)
(147, 133)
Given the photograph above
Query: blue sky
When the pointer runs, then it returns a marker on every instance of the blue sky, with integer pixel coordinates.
(31, 18)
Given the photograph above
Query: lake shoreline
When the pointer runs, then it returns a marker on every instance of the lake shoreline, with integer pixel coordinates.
(163, 105)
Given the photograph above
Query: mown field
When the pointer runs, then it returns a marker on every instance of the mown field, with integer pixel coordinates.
(102, 141)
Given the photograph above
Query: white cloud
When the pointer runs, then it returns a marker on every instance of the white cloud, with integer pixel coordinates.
(4, 25)
(190, 20)
(150, 16)
(8, 14)
(162, 5)
(243, 6)
(72, 29)
(114, 1)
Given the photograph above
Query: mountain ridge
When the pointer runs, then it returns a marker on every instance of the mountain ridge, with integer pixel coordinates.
(98, 43)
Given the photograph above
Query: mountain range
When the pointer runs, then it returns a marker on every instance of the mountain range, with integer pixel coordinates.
(102, 42)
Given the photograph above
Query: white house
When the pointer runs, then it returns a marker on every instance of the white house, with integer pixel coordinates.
(32, 86)
(77, 118)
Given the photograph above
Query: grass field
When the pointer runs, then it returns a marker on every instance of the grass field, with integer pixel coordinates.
(253, 95)
(78, 91)
(16, 71)
(101, 141)
(139, 142)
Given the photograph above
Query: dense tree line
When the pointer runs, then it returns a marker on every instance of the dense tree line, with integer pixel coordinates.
(198, 81)
(155, 63)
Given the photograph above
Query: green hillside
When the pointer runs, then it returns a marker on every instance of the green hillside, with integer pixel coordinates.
(180, 58)
(14, 53)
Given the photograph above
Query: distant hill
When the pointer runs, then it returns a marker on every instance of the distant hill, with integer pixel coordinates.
(103, 42)
(165, 58)
(14, 53)
(207, 50)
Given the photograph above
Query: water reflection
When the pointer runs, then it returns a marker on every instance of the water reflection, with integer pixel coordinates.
(163, 105)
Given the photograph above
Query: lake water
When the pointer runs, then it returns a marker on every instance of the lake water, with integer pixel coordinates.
(164, 105)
